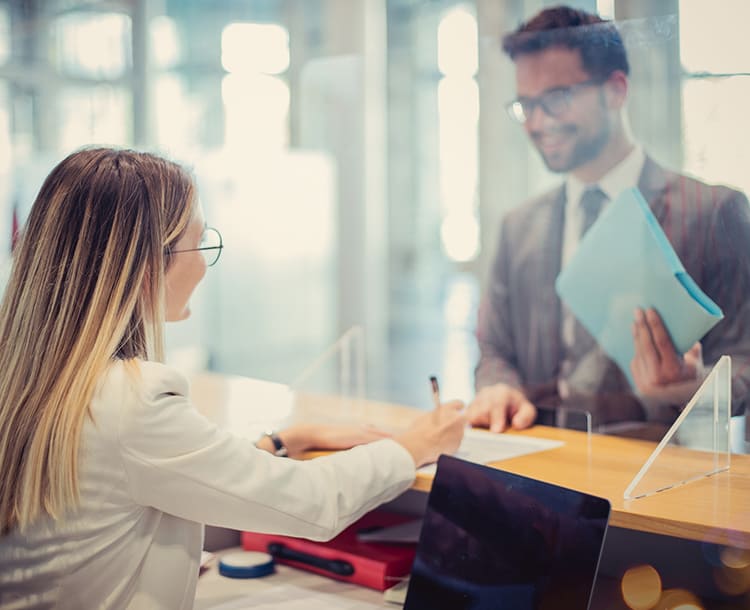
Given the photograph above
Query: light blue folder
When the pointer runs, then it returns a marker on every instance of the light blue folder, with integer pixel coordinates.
(625, 261)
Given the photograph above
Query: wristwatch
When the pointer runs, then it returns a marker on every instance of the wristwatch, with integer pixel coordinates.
(279, 448)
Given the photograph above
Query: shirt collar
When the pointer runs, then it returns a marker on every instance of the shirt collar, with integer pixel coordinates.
(622, 176)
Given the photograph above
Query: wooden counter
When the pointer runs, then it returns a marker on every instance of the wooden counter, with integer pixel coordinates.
(713, 509)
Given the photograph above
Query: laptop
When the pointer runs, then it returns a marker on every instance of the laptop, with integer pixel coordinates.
(493, 540)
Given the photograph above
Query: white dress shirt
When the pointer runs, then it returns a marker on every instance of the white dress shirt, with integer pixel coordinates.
(151, 471)
(622, 176)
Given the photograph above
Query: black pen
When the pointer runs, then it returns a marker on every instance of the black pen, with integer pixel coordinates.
(435, 391)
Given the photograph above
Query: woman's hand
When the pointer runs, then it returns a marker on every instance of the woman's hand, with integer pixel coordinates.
(429, 435)
(433, 433)
(304, 437)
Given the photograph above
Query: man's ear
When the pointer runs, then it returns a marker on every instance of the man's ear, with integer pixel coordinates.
(616, 89)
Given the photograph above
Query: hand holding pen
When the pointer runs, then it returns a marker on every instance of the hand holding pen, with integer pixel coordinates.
(439, 431)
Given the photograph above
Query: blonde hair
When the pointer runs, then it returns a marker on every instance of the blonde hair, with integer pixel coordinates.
(86, 288)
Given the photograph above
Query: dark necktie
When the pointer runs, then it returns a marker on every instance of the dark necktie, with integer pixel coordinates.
(592, 201)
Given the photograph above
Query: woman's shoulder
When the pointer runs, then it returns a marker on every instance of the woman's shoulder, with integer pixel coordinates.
(141, 381)
(137, 395)
(158, 378)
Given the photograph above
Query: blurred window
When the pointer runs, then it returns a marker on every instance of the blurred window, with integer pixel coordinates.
(94, 45)
(458, 118)
(5, 37)
(716, 90)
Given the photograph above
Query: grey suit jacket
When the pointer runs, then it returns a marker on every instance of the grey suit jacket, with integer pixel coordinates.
(519, 322)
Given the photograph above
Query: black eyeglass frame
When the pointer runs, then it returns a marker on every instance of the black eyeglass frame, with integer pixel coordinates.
(220, 247)
(520, 109)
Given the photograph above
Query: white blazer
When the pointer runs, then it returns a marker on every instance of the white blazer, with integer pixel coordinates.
(152, 470)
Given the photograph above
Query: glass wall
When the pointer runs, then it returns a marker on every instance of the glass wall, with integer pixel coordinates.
(355, 154)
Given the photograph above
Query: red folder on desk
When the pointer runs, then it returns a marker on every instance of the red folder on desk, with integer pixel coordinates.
(371, 564)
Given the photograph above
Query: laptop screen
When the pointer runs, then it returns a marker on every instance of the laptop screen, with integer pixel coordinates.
(494, 540)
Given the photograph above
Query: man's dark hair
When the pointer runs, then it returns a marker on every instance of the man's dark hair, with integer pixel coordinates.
(598, 40)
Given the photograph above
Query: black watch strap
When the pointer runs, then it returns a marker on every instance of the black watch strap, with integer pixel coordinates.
(279, 448)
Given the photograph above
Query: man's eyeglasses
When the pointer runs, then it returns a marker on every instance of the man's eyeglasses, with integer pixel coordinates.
(554, 102)
(211, 246)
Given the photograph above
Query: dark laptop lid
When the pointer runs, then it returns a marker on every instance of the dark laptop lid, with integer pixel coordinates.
(495, 540)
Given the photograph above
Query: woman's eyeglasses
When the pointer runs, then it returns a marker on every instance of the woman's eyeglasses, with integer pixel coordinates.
(211, 246)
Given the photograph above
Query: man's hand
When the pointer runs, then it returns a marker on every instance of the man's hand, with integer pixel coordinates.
(658, 370)
(497, 406)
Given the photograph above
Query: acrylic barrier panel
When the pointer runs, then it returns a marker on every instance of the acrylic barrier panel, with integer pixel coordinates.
(332, 387)
(739, 434)
(247, 407)
(572, 417)
(698, 443)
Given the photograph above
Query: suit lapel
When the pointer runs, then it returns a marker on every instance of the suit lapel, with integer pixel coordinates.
(653, 184)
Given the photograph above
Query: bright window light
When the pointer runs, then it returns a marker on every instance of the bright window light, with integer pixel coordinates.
(285, 203)
(458, 110)
(177, 117)
(95, 45)
(700, 52)
(94, 115)
(459, 307)
(605, 9)
(459, 233)
(458, 99)
(457, 48)
(458, 115)
(256, 110)
(713, 109)
(459, 347)
(255, 48)
(165, 42)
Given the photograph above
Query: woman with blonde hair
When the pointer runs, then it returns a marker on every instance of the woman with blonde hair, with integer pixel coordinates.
(108, 471)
